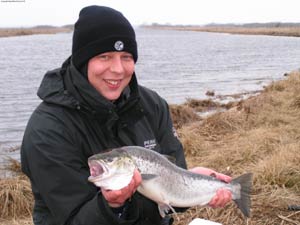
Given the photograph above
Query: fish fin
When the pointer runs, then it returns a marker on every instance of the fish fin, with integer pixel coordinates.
(148, 176)
(244, 202)
(164, 208)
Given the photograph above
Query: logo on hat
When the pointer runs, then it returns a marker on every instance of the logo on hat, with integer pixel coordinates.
(119, 45)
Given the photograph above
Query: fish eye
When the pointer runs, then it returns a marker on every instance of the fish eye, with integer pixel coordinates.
(109, 159)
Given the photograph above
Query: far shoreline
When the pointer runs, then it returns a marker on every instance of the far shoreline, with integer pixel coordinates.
(21, 31)
(289, 30)
(271, 29)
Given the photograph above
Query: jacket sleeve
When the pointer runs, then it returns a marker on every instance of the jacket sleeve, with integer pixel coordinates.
(58, 171)
(167, 136)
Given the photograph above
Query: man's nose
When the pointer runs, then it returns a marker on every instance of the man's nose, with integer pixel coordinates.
(117, 65)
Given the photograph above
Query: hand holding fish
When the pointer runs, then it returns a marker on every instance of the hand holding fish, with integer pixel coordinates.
(222, 196)
(117, 198)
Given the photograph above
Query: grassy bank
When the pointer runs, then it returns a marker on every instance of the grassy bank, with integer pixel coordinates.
(9, 32)
(259, 135)
(274, 31)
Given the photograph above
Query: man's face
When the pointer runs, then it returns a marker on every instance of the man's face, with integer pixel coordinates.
(110, 73)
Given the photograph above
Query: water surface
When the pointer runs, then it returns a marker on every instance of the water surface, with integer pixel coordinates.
(176, 64)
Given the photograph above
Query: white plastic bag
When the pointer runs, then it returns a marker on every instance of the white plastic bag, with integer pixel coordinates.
(199, 221)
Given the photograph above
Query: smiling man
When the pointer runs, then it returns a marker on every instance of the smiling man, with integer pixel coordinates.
(90, 104)
(110, 73)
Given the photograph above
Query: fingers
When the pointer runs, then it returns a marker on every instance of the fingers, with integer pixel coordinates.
(137, 178)
(222, 197)
(117, 198)
(213, 173)
(202, 170)
(223, 177)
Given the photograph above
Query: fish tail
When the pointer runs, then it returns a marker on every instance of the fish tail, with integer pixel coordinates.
(244, 202)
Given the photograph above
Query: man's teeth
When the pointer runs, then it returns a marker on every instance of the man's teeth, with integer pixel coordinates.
(112, 82)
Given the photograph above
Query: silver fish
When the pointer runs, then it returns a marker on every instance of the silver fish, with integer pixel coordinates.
(162, 181)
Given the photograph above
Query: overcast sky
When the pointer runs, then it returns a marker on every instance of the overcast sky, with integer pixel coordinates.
(61, 12)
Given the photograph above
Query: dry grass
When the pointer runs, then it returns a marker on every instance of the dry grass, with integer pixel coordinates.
(260, 134)
(183, 115)
(274, 31)
(15, 197)
(25, 221)
(202, 105)
(8, 32)
(278, 31)
(14, 167)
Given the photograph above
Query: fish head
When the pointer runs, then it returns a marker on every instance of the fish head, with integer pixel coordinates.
(111, 170)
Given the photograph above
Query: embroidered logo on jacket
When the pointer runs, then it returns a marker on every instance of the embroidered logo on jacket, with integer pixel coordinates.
(150, 144)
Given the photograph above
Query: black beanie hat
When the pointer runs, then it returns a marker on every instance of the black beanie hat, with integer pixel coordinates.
(101, 29)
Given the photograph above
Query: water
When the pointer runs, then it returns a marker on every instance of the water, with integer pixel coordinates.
(177, 64)
(187, 64)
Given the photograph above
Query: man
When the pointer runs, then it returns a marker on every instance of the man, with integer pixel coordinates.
(90, 104)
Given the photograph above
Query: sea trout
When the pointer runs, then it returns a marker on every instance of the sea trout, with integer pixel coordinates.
(162, 181)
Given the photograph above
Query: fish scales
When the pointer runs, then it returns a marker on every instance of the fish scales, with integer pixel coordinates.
(182, 187)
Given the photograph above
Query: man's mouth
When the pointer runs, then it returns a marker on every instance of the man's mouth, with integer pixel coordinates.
(113, 83)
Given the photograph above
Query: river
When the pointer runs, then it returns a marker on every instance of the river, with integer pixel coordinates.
(176, 64)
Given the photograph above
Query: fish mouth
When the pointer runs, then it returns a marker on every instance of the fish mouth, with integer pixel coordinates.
(97, 169)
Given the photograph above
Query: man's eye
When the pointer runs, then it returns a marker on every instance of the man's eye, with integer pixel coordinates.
(103, 57)
(127, 57)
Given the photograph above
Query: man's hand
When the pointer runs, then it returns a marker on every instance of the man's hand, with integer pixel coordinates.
(223, 196)
(117, 198)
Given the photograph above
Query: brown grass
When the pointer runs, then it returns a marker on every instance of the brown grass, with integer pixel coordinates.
(13, 166)
(278, 31)
(25, 221)
(202, 105)
(274, 31)
(182, 115)
(259, 135)
(8, 32)
(15, 197)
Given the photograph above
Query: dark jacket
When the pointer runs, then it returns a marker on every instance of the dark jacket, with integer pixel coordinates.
(74, 122)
